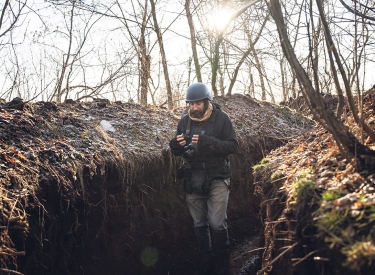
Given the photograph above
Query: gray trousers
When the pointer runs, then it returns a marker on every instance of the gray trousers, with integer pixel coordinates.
(210, 209)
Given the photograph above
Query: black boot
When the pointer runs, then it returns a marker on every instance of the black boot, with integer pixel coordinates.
(203, 238)
(221, 248)
(206, 266)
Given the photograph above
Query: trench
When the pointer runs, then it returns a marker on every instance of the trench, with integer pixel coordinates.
(137, 227)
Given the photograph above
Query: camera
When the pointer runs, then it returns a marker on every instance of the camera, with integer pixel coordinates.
(189, 150)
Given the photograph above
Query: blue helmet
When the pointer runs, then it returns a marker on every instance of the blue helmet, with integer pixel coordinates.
(197, 91)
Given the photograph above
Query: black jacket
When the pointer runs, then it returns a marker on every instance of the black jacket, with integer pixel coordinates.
(217, 141)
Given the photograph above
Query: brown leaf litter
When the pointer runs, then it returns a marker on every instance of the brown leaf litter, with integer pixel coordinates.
(318, 205)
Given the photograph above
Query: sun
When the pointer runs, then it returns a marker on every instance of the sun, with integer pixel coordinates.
(219, 18)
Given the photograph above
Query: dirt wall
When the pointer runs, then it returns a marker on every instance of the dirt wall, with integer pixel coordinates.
(94, 184)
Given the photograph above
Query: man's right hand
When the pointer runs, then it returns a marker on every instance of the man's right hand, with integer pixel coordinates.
(181, 140)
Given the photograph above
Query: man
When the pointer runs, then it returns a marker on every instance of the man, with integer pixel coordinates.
(205, 137)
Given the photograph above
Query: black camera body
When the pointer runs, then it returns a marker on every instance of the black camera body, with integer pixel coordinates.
(189, 150)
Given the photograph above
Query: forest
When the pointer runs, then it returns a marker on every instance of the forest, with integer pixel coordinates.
(296, 79)
(149, 51)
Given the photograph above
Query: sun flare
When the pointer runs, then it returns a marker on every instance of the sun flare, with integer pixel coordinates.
(220, 18)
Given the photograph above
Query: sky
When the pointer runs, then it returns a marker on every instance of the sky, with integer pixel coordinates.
(41, 46)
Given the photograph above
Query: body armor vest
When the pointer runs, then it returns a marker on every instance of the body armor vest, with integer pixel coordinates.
(216, 165)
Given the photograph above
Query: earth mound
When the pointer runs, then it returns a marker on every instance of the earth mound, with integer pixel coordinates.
(90, 187)
(318, 207)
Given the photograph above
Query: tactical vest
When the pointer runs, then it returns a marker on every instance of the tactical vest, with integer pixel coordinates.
(199, 128)
(200, 161)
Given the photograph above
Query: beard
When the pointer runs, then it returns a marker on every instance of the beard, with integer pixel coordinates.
(197, 114)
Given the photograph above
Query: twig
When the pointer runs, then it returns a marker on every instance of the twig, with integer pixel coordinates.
(274, 260)
(282, 178)
(10, 271)
(13, 253)
(304, 258)
(274, 199)
(27, 101)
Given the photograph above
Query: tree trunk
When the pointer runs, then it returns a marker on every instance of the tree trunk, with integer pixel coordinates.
(163, 57)
(252, 88)
(258, 66)
(245, 55)
(144, 66)
(353, 108)
(57, 91)
(215, 65)
(346, 141)
(220, 38)
(283, 80)
(193, 41)
(235, 74)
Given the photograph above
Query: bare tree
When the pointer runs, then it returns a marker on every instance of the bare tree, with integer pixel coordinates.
(346, 141)
(348, 91)
(258, 66)
(246, 53)
(140, 46)
(10, 14)
(357, 12)
(66, 57)
(145, 58)
(193, 41)
(76, 59)
(163, 56)
(219, 39)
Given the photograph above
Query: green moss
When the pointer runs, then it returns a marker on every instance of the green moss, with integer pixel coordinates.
(304, 188)
(351, 234)
(276, 175)
(305, 173)
(261, 166)
(370, 213)
(359, 254)
(331, 195)
(351, 230)
(264, 161)
(332, 222)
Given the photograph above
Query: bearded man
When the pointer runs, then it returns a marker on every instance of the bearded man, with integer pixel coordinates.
(205, 138)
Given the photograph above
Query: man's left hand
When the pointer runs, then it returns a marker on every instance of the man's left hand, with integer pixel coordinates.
(195, 139)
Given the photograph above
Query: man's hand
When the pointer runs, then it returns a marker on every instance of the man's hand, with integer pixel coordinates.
(195, 139)
(181, 140)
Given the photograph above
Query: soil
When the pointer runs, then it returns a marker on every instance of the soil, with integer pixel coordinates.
(182, 258)
(317, 205)
(91, 187)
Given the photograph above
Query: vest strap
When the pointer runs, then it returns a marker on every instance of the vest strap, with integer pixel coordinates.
(188, 127)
